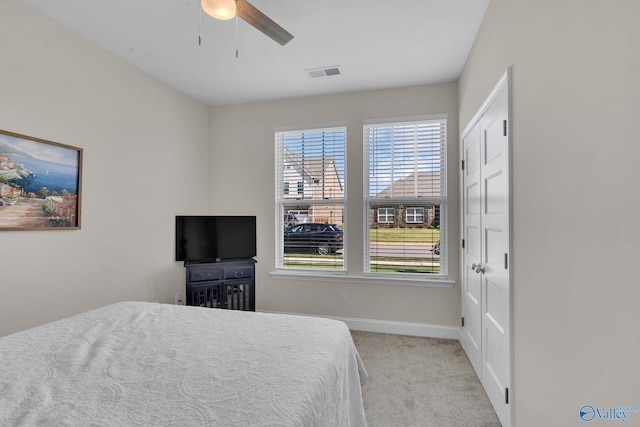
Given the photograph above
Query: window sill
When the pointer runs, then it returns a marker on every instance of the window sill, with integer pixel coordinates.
(364, 279)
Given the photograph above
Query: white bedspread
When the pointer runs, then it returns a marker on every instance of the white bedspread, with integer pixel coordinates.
(145, 364)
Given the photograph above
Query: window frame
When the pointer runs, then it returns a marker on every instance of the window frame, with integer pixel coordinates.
(388, 212)
(314, 202)
(347, 275)
(439, 203)
(414, 214)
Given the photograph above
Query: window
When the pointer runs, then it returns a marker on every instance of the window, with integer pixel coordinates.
(415, 215)
(285, 187)
(314, 158)
(405, 172)
(386, 215)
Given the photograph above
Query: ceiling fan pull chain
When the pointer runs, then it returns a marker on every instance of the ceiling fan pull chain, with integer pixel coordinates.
(200, 28)
(236, 36)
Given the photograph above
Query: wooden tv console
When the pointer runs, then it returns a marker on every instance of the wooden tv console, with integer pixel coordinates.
(228, 284)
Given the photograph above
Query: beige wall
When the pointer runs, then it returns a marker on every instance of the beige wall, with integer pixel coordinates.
(145, 160)
(576, 103)
(576, 100)
(242, 182)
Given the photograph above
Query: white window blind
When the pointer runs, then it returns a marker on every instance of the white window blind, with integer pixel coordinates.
(405, 171)
(311, 235)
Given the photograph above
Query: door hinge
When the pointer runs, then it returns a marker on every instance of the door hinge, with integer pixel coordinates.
(506, 395)
(462, 162)
(462, 243)
(462, 322)
(504, 128)
(506, 261)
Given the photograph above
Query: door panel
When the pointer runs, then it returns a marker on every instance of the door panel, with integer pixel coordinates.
(494, 194)
(495, 305)
(495, 225)
(473, 198)
(486, 299)
(493, 256)
(471, 281)
(496, 361)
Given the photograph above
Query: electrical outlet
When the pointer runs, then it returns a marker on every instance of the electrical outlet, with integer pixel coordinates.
(343, 297)
(178, 299)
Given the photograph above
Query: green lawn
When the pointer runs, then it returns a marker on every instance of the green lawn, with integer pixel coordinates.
(386, 235)
(417, 235)
(311, 264)
(429, 264)
(404, 269)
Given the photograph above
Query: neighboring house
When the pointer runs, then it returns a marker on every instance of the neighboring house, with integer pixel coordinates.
(7, 190)
(312, 178)
(408, 214)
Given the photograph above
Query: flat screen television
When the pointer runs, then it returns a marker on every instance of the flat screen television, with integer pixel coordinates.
(213, 238)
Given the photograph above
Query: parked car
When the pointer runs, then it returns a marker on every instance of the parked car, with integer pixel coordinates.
(315, 237)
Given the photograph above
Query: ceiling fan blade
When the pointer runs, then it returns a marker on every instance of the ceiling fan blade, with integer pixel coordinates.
(262, 22)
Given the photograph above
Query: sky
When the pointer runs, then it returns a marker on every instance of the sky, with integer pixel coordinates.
(43, 151)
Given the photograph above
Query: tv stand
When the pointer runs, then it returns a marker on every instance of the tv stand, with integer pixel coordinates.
(227, 284)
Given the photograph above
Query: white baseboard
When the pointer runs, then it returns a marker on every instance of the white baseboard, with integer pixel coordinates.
(391, 327)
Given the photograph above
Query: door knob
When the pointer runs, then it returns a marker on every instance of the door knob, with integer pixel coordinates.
(477, 268)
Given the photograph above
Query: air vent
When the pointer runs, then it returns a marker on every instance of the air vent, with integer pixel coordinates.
(324, 71)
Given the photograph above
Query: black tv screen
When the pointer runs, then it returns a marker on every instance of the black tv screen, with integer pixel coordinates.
(211, 238)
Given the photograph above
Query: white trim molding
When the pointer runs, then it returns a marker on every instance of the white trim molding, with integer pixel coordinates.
(391, 327)
(369, 278)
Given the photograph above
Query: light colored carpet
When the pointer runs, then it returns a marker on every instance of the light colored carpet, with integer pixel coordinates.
(415, 381)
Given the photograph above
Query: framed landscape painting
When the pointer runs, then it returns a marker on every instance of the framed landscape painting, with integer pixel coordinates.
(40, 184)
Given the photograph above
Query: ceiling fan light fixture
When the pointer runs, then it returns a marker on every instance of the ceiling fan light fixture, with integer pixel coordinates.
(220, 9)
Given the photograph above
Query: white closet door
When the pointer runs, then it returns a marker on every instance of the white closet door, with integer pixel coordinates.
(495, 256)
(471, 281)
(486, 300)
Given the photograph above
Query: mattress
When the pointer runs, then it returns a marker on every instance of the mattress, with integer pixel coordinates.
(144, 364)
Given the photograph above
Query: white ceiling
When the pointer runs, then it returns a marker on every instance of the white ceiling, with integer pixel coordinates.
(377, 44)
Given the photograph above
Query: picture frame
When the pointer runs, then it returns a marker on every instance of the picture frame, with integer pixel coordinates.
(40, 184)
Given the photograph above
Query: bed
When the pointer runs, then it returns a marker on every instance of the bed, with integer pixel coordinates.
(147, 364)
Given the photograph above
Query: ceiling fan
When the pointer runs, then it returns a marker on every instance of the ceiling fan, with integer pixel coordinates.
(227, 9)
